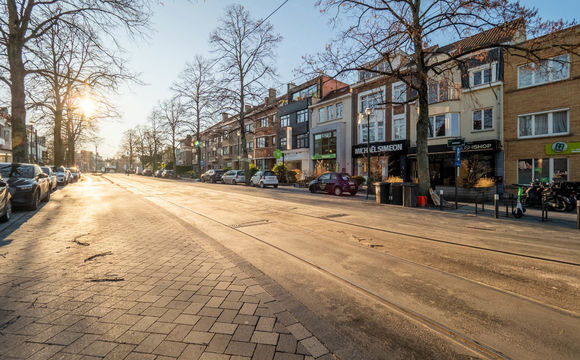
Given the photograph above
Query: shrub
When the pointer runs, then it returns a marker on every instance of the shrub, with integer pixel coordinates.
(484, 182)
(253, 170)
(280, 170)
(394, 179)
(291, 176)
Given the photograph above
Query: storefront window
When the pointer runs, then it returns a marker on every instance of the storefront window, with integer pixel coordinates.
(543, 170)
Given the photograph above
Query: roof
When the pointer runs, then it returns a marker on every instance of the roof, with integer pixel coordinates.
(496, 35)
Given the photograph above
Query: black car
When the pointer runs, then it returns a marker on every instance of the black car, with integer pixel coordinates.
(28, 184)
(212, 176)
(5, 201)
(333, 183)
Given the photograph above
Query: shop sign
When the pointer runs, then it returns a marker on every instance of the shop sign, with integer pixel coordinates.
(563, 148)
(455, 142)
(377, 148)
(277, 154)
(480, 146)
(323, 156)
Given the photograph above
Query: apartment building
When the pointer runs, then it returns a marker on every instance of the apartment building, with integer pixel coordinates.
(467, 102)
(295, 117)
(264, 127)
(5, 136)
(331, 132)
(542, 110)
(386, 127)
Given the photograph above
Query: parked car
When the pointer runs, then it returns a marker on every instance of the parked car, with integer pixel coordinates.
(333, 183)
(233, 177)
(147, 172)
(61, 175)
(212, 176)
(69, 177)
(169, 174)
(5, 201)
(52, 176)
(158, 173)
(264, 178)
(28, 184)
(75, 173)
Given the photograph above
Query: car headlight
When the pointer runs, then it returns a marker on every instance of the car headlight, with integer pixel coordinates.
(24, 187)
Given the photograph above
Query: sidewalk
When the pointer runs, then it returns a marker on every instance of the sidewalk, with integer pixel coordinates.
(99, 273)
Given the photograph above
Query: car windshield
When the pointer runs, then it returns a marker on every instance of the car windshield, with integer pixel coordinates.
(17, 171)
(269, 173)
(345, 177)
(46, 170)
(60, 169)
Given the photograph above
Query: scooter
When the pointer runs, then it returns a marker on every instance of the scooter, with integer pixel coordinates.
(519, 210)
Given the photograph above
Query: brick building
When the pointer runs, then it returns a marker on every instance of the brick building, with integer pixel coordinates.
(265, 126)
(542, 111)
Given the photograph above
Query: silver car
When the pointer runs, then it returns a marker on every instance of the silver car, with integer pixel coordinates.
(233, 177)
(264, 178)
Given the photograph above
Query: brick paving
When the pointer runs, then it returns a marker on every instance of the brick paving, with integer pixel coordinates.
(154, 290)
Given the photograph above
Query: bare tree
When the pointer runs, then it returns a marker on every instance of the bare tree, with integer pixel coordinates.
(22, 22)
(399, 34)
(152, 138)
(196, 87)
(245, 49)
(129, 145)
(172, 115)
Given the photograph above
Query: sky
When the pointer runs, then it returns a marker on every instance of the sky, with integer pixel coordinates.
(181, 30)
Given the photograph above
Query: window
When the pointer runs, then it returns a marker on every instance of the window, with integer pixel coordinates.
(249, 128)
(264, 122)
(545, 71)
(371, 101)
(380, 131)
(441, 91)
(284, 120)
(363, 131)
(399, 93)
(339, 110)
(283, 143)
(261, 142)
(321, 115)
(543, 170)
(325, 143)
(483, 75)
(482, 119)
(305, 93)
(302, 116)
(444, 125)
(273, 141)
(250, 145)
(329, 112)
(543, 124)
(302, 141)
(399, 128)
(225, 150)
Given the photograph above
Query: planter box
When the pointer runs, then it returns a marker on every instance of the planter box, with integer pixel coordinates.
(467, 194)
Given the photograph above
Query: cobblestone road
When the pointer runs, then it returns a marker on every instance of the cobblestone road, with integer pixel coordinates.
(100, 273)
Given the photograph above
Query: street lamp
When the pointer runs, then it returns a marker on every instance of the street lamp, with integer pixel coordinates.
(238, 133)
(368, 113)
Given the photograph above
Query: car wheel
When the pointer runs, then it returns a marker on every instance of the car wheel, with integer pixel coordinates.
(35, 201)
(353, 193)
(233, 182)
(337, 191)
(276, 186)
(47, 197)
(312, 190)
(262, 184)
(8, 213)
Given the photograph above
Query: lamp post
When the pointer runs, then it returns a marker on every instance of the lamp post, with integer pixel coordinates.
(368, 113)
(238, 133)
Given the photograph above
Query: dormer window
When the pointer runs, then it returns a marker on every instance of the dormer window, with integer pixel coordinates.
(483, 75)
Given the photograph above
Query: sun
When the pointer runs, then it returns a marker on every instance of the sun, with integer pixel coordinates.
(87, 106)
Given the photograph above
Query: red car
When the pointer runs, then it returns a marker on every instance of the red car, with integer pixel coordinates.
(334, 183)
(147, 172)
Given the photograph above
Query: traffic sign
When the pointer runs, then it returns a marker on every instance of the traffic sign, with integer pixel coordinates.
(455, 142)
(277, 154)
(201, 163)
(458, 156)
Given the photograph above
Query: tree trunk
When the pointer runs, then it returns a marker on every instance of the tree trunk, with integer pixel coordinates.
(58, 151)
(17, 92)
(70, 143)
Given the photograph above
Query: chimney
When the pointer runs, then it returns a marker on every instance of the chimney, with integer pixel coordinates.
(272, 94)
(247, 108)
(266, 100)
(291, 86)
(224, 116)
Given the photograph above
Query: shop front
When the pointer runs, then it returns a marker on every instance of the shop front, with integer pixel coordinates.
(388, 159)
(325, 155)
(479, 160)
(555, 161)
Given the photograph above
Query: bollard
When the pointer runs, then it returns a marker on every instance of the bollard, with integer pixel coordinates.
(440, 199)
(476, 206)
(506, 206)
(578, 214)
(496, 205)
